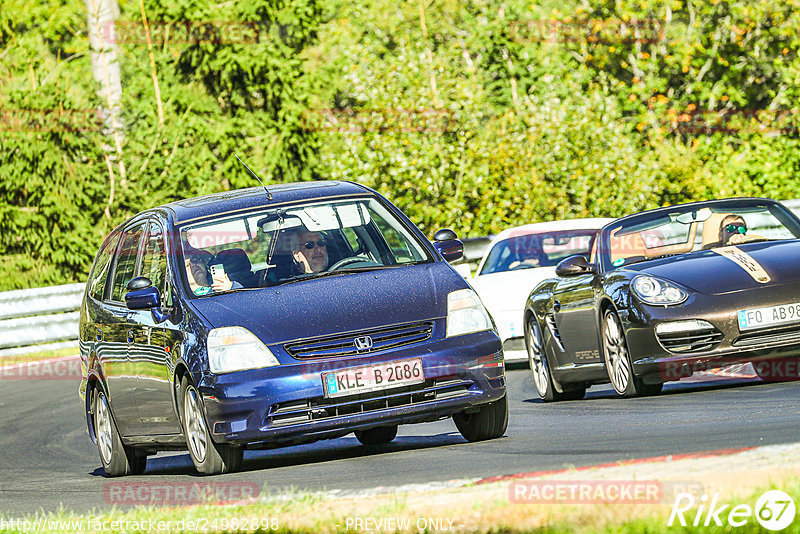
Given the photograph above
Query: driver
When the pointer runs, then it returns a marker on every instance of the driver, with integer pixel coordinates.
(309, 249)
(732, 230)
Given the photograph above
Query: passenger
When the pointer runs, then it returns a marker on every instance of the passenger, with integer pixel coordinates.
(199, 277)
(309, 250)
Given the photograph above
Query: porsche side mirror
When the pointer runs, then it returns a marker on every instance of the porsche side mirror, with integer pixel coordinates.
(446, 242)
(573, 266)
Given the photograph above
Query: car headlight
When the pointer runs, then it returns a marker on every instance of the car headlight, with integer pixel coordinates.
(466, 314)
(234, 348)
(657, 291)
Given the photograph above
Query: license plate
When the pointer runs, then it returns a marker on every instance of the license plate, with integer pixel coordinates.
(373, 377)
(769, 316)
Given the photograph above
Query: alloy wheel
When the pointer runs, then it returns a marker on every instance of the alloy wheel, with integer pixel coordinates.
(103, 427)
(536, 359)
(195, 425)
(616, 354)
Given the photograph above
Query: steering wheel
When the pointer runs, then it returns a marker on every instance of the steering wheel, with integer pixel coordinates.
(347, 261)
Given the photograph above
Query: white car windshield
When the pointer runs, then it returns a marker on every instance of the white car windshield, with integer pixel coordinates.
(294, 243)
(537, 250)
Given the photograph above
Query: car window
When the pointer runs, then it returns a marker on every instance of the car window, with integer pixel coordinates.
(126, 262)
(537, 250)
(154, 261)
(99, 273)
(269, 247)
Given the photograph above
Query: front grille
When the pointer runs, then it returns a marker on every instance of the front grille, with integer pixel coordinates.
(390, 337)
(699, 340)
(788, 334)
(319, 408)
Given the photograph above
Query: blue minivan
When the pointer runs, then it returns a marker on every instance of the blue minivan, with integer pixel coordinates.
(267, 317)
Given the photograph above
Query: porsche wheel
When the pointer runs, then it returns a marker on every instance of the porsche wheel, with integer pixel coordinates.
(618, 361)
(540, 367)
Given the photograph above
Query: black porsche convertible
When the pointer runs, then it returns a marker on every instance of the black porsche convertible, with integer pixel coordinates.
(669, 292)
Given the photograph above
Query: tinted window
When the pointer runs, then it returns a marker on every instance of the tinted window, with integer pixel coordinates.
(99, 272)
(126, 262)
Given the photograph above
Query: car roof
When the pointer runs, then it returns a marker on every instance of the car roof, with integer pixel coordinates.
(255, 197)
(552, 226)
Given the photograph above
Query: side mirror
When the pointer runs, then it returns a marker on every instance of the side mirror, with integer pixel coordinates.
(142, 295)
(573, 266)
(446, 242)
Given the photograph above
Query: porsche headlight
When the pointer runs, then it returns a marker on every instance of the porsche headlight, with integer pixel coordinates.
(466, 314)
(234, 348)
(657, 291)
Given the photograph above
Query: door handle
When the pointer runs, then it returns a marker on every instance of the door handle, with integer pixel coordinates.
(556, 305)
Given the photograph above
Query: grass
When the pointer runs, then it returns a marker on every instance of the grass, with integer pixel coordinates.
(479, 509)
(37, 356)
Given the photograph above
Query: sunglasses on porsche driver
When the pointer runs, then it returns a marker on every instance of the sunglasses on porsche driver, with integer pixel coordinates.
(311, 244)
(736, 228)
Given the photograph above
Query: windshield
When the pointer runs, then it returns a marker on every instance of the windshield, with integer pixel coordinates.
(282, 245)
(537, 250)
(698, 227)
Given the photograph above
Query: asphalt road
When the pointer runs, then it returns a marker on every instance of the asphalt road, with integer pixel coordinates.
(48, 460)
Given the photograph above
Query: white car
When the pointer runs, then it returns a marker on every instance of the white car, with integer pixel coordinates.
(518, 259)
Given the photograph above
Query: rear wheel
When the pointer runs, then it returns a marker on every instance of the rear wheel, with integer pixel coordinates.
(540, 367)
(488, 422)
(377, 436)
(117, 458)
(618, 361)
(208, 457)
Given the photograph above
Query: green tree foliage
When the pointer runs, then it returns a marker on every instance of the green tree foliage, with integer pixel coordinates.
(471, 114)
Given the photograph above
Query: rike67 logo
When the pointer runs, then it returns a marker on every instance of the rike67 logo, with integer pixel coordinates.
(774, 510)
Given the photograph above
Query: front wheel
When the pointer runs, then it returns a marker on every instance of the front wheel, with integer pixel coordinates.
(540, 367)
(488, 422)
(117, 458)
(208, 457)
(618, 361)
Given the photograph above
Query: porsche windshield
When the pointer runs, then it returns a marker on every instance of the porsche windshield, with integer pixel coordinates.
(688, 229)
(284, 245)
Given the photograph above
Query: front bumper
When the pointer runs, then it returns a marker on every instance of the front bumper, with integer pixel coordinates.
(286, 404)
(651, 357)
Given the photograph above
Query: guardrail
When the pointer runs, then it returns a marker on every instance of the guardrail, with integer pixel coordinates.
(30, 317)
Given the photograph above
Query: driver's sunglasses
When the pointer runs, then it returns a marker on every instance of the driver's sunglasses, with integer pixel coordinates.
(310, 244)
(736, 228)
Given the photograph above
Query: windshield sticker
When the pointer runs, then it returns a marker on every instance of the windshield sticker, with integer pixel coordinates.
(618, 262)
(745, 261)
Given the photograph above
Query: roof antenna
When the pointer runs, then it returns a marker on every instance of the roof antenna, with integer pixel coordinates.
(269, 195)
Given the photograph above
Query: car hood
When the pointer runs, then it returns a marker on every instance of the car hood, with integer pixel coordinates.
(336, 304)
(509, 290)
(711, 273)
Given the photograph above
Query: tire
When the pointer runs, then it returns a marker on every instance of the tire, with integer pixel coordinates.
(377, 436)
(489, 422)
(209, 458)
(540, 367)
(618, 361)
(117, 458)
